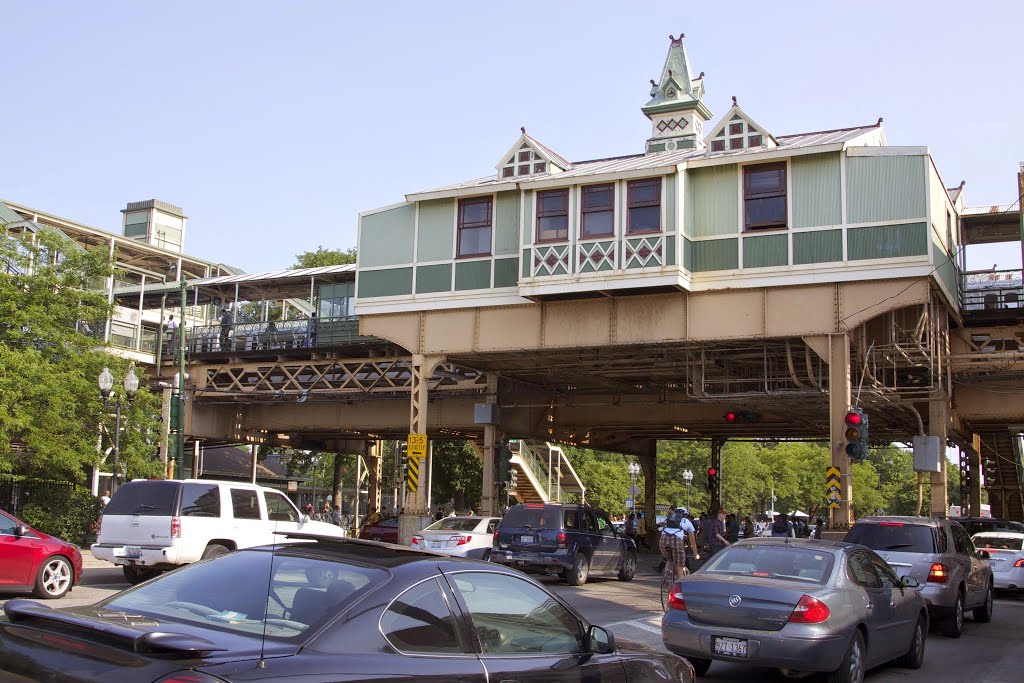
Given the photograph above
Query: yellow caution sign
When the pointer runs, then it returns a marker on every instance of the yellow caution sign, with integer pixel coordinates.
(832, 490)
(417, 446)
(412, 475)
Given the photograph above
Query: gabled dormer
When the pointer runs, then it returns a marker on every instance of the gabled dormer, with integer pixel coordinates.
(737, 131)
(676, 108)
(528, 157)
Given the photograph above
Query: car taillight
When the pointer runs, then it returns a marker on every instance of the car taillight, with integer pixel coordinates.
(1019, 563)
(809, 611)
(494, 542)
(938, 573)
(416, 540)
(188, 677)
(675, 597)
(562, 538)
(175, 527)
(460, 540)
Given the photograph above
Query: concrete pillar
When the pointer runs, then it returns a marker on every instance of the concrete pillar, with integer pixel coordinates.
(417, 512)
(648, 461)
(974, 455)
(938, 420)
(372, 455)
(489, 499)
(839, 403)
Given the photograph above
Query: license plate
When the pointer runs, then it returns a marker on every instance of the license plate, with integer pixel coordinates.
(733, 647)
(132, 551)
(435, 544)
(526, 539)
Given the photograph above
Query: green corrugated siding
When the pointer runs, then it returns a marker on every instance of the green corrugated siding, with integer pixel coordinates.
(526, 263)
(528, 199)
(437, 230)
(946, 268)
(687, 213)
(711, 207)
(436, 278)
(885, 188)
(473, 275)
(887, 241)
(816, 190)
(506, 272)
(670, 204)
(391, 282)
(765, 251)
(715, 255)
(670, 250)
(506, 224)
(386, 238)
(687, 255)
(820, 246)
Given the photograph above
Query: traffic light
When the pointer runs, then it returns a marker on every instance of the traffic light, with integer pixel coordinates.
(712, 479)
(403, 458)
(742, 416)
(856, 434)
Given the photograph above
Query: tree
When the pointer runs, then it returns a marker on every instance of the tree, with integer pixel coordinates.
(457, 474)
(50, 403)
(325, 257)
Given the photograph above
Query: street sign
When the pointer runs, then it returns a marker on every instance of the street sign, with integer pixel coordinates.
(832, 488)
(832, 491)
(412, 475)
(417, 446)
(634, 490)
(832, 474)
(629, 503)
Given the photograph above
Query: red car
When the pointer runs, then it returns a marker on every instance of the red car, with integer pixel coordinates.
(385, 530)
(32, 560)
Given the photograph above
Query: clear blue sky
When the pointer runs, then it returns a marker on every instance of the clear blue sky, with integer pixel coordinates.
(273, 124)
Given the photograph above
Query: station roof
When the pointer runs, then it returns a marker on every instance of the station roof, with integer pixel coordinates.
(989, 224)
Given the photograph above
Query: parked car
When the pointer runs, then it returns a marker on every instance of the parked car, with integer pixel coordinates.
(938, 553)
(320, 609)
(1006, 557)
(799, 605)
(568, 540)
(384, 529)
(459, 537)
(32, 560)
(152, 525)
(975, 525)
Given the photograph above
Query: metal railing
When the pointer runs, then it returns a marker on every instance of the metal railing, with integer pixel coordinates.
(991, 290)
(276, 334)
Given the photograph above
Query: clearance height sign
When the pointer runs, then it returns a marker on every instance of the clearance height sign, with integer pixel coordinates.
(417, 454)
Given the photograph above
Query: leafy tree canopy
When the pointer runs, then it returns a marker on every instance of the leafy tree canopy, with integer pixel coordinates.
(325, 257)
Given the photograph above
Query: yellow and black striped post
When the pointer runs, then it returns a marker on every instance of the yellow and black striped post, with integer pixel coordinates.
(412, 475)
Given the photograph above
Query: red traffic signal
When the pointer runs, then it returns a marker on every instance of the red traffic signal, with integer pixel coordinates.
(712, 471)
(853, 418)
(742, 416)
(730, 417)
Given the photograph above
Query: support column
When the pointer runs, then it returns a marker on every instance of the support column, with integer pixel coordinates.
(716, 462)
(938, 420)
(489, 500)
(372, 456)
(649, 467)
(417, 514)
(974, 456)
(252, 464)
(839, 402)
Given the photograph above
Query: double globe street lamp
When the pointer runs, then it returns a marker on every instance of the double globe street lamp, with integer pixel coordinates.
(131, 387)
(688, 478)
(634, 471)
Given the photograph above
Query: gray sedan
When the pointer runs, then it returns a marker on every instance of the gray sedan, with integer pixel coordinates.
(799, 605)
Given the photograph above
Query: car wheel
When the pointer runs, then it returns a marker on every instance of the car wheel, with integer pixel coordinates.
(953, 625)
(983, 614)
(915, 653)
(54, 578)
(214, 550)
(852, 668)
(700, 666)
(136, 575)
(628, 569)
(580, 570)
(487, 555)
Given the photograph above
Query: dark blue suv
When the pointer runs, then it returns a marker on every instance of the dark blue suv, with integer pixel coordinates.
(567, 540)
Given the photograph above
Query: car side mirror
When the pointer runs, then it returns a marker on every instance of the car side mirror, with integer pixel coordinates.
(304, 519)
(20, 530)
(910, 582)
(600, 640)
(984, 555)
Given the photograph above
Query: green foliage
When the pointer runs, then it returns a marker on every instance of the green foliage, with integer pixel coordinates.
(69, 513)
(49, 400)
(457, 474)
(325, 257)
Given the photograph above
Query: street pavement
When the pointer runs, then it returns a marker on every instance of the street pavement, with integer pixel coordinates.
(986, 653)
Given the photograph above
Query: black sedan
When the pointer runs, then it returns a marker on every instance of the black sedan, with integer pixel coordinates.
(318, 609)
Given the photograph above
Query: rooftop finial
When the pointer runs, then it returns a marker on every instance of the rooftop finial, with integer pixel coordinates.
(962, 183)
(653, 83)
(701, 75)
(734, 102)
(523, 128)
(879, 121)
(671, 37)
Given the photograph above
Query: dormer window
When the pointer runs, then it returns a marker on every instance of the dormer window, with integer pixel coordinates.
(524, 162)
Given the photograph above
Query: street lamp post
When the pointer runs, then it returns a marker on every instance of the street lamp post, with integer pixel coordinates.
(634, 471)
(688, 478)
(131, 386)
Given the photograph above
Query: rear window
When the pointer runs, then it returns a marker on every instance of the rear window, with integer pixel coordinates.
(773, 561)
(454, 524)
(904, 538)
(998, 542)
(522, 516)
(150, 498)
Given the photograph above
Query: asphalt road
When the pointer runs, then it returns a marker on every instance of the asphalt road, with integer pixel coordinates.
(986, 653)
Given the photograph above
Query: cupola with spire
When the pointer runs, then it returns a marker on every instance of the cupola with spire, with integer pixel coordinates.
(676, 108)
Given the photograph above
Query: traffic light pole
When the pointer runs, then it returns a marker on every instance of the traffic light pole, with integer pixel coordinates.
(716, 463)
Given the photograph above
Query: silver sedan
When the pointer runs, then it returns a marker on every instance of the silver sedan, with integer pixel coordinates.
(467, 536)
(799, 605)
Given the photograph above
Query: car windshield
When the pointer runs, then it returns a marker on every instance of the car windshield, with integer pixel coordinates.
(998, 542)
(904, 538)
(149, 497)
(540, 517)
(772, 561)
(234, 593)
(455, 524)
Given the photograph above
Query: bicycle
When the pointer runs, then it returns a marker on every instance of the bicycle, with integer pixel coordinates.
(668, 578)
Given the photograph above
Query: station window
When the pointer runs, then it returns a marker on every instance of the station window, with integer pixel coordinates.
(644, 201)
(553, 215)
(764, 196)
(597, 211)
(474, 227)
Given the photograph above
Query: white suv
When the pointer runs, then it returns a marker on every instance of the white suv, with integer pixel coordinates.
(151, 525)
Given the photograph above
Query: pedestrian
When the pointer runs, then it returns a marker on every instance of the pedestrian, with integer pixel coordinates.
(172, 331)
(336, 515)
(782, 527)
(748, 527)
(818, 528)
(309, 510)
(630, 528)
(312, 328)
(641, 530)
(105, 498)
(325, 514)
(225, 329)
(732, 528)
(716, 529)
